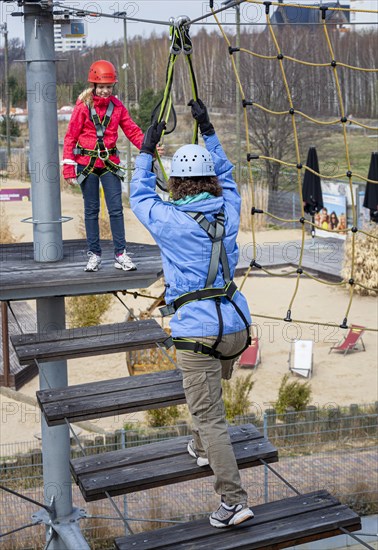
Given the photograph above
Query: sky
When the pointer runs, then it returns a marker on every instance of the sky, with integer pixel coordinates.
(103, 29)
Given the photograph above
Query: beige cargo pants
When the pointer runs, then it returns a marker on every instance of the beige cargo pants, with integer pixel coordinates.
(202, 377)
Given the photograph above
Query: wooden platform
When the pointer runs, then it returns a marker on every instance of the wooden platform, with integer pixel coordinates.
(23, 279)
(108, 397)
(88, 341)
(162, 463)
(19, 374)
(279, 524)
(322, 257)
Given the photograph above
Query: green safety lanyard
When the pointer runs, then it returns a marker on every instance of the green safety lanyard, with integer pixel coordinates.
(180, 42)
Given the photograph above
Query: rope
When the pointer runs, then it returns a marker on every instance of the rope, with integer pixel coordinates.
(298, 165)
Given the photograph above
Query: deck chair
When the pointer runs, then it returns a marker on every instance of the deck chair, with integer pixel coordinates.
(351, 340)
(251, 357)
(301, 358)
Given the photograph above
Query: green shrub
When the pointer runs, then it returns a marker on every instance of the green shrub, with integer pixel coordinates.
(14, 127)
(292, 394)
(236, 396)
(157, 418)
(87, 311)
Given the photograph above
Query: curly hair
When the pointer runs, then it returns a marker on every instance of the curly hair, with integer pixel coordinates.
(180, 188)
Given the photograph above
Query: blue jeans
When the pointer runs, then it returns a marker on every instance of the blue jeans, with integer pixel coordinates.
(90, 188)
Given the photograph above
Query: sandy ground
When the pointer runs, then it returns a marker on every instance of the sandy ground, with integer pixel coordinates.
(336, 380)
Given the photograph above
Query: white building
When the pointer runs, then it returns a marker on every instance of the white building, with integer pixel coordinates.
(363, 21)
(69, 34)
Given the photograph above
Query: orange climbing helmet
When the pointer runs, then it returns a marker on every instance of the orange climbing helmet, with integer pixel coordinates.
(102, 72)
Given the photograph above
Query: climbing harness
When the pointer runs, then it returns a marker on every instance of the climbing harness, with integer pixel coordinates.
(180, 42)
(215, 231)
(100, 151)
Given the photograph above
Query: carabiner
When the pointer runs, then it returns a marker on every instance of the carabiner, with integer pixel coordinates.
(100, 151)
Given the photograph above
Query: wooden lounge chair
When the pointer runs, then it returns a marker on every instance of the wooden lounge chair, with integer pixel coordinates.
(302, 358)
(251, 357)
(351, 341)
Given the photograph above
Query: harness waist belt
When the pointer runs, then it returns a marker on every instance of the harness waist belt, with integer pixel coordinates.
(93, 152)
(227, 291)
(205, 349)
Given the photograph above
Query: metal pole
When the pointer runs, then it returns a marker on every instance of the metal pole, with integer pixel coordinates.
(4, 30)
(48, 246)
(127, 103)
(5, 336)
(237, 98)
(43, 132)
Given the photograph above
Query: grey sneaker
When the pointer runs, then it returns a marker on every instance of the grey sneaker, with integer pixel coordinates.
(123, 261)
(201, 460)
(226, 516)
(94, 262)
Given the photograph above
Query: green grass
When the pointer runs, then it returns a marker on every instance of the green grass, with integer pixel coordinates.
(332, 155)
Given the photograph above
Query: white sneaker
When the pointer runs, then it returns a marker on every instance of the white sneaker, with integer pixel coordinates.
(226, 516)
(124, 262)
(93, 262)
(201, 460)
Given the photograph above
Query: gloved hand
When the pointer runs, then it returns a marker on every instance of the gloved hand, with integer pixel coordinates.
(199, 113)
(152, 137)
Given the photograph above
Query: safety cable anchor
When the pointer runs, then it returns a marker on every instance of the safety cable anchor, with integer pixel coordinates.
(250, 157)
(232, 50)
(246, 102)
(288, 318)
(323, 9)
(344, 324)
(256, 211)
(267, 7)
(255, 264)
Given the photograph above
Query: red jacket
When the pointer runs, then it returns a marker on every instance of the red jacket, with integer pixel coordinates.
(81, 130)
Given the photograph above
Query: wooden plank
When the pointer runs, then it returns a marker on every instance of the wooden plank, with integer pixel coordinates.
(23, 278)
(88, 341)
(153, 451)
(276, 525)
(108, 386)
(142, 469)
(119, 402)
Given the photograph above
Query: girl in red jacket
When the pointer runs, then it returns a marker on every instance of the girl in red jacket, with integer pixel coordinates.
(90, 155)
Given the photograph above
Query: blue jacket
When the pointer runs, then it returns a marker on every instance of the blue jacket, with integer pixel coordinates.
(185, 247)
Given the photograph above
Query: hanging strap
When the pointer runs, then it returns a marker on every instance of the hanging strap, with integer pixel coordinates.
(180, 42)
(215, 231)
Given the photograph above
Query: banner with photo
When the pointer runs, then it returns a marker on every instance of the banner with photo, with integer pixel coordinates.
(332, 217)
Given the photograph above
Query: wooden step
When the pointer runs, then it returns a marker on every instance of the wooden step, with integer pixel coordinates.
(88, 341)
(108, 397)
(163, 463)
(279, 524)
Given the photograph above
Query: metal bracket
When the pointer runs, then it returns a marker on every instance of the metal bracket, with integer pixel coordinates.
(66, 528)
(63, 219)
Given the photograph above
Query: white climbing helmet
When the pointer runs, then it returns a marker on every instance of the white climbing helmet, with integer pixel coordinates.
(192, 160)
